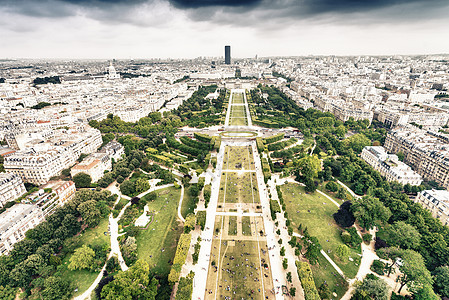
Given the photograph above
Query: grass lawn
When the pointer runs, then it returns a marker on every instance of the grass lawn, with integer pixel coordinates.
(314, 211)
(188, 204)
(239, 188)
(232, 229)
(238, 158)
(82, 279)
(238, 122)
(157, 244)
(243, 273)
(246, 225)
(237, 98)
(324, 272)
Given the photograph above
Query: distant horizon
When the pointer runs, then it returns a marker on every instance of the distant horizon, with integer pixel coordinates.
(220, 57)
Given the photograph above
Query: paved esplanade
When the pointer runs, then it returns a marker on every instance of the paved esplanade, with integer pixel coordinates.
(201, 280)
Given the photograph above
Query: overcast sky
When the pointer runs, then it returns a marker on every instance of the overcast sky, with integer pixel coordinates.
(192, 28)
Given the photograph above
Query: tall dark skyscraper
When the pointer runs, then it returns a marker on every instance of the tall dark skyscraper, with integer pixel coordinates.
(228, 55)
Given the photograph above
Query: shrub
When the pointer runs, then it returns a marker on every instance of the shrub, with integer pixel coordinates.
(378, 267)
(367, 237)
(180, 257)
(355, 238)
(332, 186)
(346, 237)
(201, 218)
(306, 277)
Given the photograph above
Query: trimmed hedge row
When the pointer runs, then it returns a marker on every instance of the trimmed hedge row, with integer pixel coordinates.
(172, 142)
(274, 208)
(281, 145)
(180, 257)
(274, 138)
(195, 143)
(266, 169)
(307, 282)
(203, 137)
(260, 144)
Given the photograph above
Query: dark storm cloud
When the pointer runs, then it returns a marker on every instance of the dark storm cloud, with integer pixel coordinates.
(207, 3)
(237, 12)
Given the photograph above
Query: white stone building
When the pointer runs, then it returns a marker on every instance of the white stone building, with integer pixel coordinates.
(437, 201)
(11, 187)
(389, 166)
(94, 165)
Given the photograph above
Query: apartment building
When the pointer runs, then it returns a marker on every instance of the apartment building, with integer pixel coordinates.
(389, 166)
(11, 187)
(15, 222)
(437, 202)
(426, 151)
(94, 165)
(114, 149)
(44, 159)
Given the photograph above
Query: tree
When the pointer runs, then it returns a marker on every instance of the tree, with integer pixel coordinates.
(332, 186)
(370, 288)
(400, 155)
(313, 249)
(127, 188)
(403, 235)
(369, 212)
(8, 292)
(344, 216)
(90, 213)
(82, 180)
(141, 185)
(441, 280)
(342, 252)
(82, 258)
(310, 185)
(285, 263)
(414, 272)
(132, 284)
(309, 166)
(56, 288)
(357, 142)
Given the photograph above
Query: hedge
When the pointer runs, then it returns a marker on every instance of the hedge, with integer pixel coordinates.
(260, 144)
(274, 208)
(172, 142)
(201, 218)
(180, 257)
(274, 138)
(194, 143)
(161, 159)
(265, 169)
(281, 145)
(203, 137)
(217, 142)
(307, 282)
(207, 193)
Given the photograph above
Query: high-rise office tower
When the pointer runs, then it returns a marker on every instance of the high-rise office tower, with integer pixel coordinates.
(228, 55)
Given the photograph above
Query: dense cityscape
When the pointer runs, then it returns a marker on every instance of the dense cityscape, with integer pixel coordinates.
(335, 168)
(224, 150)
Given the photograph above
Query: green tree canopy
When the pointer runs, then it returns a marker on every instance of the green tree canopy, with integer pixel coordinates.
(132, 284)
(369, 212)
(82, 258)
(82, 180)
(403, 235)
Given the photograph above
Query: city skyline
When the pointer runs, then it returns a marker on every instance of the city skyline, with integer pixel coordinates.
(189, 29)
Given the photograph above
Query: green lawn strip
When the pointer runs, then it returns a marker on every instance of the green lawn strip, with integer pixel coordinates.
(309, 210)
(232, 230)
(236, 158)
(237, 98)
(238, 188)
(239, 282)
(324, 272)
(157, 244)
(82, 279)
(246, 225)
(238, 122)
